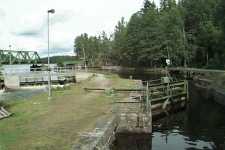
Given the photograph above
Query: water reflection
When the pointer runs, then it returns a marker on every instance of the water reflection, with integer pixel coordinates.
(201, 127)
(175, 140)
(132, 142)
(21, 93)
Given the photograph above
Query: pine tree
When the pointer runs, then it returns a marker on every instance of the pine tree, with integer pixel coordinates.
(167, 4)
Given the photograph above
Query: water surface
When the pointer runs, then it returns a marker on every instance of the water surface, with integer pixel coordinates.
(185, 131)
(20, 94)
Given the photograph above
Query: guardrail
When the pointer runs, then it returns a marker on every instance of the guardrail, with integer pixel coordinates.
(36, 76)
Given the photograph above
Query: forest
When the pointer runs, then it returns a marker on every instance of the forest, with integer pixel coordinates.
(188, 32)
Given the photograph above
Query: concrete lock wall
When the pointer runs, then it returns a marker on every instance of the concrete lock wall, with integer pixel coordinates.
(12, 82)
(207, 93)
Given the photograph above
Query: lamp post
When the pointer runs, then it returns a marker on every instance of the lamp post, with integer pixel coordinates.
(51, 11)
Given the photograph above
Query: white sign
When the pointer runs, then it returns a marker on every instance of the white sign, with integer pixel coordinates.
(168, 62)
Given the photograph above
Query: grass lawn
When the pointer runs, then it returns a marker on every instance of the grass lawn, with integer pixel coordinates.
(42, 124)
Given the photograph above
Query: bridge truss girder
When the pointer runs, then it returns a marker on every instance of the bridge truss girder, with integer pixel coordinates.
(18, 57)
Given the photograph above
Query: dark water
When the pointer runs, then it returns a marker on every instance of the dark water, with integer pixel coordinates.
(200, 127)
(197, 128)
(194, 129)
(20, 94)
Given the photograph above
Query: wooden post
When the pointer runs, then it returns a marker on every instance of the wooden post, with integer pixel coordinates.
(150, 106)
(187, 89)
(147, 97)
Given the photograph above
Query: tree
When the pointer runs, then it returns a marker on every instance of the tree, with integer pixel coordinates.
(171, 27)
(147, 5)
(119, 42)
(80, 43)
(190, 31)
(167, 4)
(202, 29)
(96, 48)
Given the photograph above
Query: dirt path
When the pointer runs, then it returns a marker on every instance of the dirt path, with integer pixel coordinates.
(81, 76)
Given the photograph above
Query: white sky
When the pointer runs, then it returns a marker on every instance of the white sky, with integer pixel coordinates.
(23, 23)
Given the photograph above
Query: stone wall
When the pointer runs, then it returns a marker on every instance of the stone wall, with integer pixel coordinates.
(207, 92)
(101, 138)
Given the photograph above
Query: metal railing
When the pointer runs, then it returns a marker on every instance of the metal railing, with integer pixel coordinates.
(42, 70)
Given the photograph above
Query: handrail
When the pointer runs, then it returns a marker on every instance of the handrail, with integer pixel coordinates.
(197, 70)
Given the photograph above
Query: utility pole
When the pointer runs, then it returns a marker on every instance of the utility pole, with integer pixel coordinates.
(85, 62)
(52, 11)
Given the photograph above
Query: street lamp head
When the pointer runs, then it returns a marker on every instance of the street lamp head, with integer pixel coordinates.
(52, 11)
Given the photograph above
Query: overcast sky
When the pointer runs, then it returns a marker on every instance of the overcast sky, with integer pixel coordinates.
(23, 23)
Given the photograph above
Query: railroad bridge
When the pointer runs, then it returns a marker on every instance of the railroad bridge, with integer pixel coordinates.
(18, 57)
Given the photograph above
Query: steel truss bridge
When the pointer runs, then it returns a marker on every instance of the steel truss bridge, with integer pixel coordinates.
(18, 57)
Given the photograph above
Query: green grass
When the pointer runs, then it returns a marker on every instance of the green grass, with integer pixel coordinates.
(42, 124)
